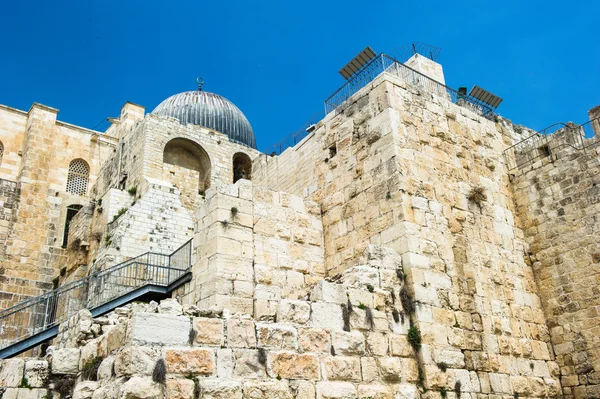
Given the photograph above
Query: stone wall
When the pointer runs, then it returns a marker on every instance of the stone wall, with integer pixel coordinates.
(38, 151)
(346, 341)
(11, 283)
(559, 202)
(254, 246)
(425, 177)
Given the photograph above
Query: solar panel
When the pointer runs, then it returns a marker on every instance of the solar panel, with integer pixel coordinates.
(357, 62)
(485, 96)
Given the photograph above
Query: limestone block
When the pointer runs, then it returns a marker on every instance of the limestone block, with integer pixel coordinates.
(88, 352)
(538, 387)
(329, 292)
(208, 331)
(377, 343)
(278, 336)
(452, 358)
(11, 372)
(500, 383)
(170, 306)
(159, 329)
(105, 371)
(375, 392)
(335, 390)
(399, 345)
(314, 340)
(390, 368)
(383, 257)
(293, 311)
(413, 260)
(343, 368)
(348, 343)
(247, 365)
(180, 388)
(406, 391)
(361, 277)
(140, 388)
(267, 390)
(327, 315)
(25, 393)
(220, 389)
(65, 361)
(116, 337)
(36, 372)
(294, 366)
(190, 361)
(240, 333)
(302, 389)
(110, 391)
(369, 368)
(520, 385)
(224, 363)
(85, 390)
(135, 360)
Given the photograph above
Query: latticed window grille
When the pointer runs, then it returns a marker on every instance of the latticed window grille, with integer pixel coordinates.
(78, 177)
(1, 152)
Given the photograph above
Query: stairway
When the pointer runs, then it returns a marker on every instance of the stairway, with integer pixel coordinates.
(36, 320)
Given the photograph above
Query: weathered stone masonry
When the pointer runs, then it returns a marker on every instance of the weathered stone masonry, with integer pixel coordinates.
(390, 254)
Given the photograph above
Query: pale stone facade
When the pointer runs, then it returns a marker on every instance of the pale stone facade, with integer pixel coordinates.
(392, 253)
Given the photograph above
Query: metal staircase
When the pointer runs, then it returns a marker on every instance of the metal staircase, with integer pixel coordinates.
(36, 320)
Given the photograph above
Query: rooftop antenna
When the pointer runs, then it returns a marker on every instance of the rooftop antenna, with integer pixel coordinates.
(406, 51)
(200, 82)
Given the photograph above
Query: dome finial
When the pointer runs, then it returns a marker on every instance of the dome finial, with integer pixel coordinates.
(200, 82)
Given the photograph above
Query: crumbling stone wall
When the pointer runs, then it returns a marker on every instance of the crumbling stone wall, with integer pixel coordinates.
(558, 199)
(346, 341)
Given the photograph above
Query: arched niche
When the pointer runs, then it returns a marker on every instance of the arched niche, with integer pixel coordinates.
(242, 167)
(187, 166)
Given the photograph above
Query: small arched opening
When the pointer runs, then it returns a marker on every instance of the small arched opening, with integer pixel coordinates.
(1, 152)
(78, 177)
(187, 166)
(71, 212)
(242, 167)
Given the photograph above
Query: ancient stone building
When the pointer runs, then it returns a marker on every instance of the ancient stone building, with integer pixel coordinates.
(412, 244)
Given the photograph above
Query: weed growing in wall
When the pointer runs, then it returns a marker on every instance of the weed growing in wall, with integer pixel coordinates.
(414, 338)
(90, 369)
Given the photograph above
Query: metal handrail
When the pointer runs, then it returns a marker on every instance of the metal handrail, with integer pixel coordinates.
(52, 308)
(539, 145)
(385, 63)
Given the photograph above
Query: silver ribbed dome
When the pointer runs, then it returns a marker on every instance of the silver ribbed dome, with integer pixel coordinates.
(209, 110)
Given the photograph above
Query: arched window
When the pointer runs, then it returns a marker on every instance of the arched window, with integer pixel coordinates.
(242, 167)
(71, 212)
(1, 152)
(78, 177)
(187, 161)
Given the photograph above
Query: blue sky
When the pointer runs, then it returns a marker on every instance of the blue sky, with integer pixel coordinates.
(278, 60)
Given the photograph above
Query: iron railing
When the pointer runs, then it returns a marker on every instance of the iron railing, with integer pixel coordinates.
(48, 310)
(545, 142)
(384, 63)
(295, 137)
